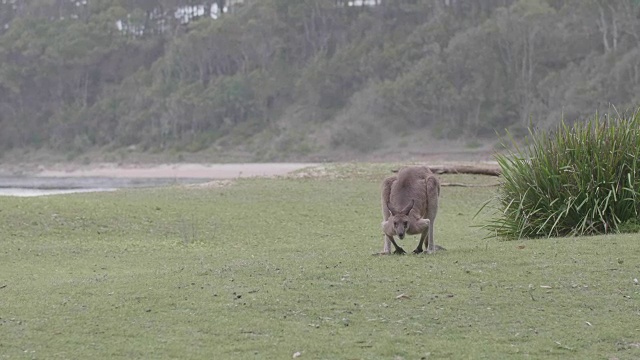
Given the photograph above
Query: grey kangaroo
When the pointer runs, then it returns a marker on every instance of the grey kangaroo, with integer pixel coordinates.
(409, 207)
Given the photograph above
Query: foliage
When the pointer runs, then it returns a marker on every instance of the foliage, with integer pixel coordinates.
(578, 180)
(76, 76)
(177, 273)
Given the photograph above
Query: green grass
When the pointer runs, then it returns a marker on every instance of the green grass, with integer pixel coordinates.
(266, 268)
(582, 179)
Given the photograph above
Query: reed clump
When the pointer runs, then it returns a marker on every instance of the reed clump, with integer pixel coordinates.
(582, 179)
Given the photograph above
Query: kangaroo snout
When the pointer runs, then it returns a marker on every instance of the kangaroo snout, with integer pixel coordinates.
(400, 230)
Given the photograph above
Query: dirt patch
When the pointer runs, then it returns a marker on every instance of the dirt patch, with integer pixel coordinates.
(211, 184)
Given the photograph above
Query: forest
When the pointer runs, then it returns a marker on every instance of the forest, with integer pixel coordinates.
(276, 80)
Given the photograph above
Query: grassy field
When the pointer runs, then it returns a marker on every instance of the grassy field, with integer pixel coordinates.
(267, 268)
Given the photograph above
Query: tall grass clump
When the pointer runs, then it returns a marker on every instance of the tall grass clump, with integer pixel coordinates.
(577, 180)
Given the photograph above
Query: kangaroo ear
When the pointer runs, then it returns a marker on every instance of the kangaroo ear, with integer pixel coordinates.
(393, 212)
(407, 209)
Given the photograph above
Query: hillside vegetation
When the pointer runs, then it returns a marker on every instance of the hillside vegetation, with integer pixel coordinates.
(308, 79)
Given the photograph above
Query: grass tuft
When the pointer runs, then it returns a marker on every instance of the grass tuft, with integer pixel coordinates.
(578, 180)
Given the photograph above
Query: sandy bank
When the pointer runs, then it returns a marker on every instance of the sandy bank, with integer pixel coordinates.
(194, 171)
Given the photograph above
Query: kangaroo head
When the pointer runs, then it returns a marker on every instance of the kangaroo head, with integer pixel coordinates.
(399, 221)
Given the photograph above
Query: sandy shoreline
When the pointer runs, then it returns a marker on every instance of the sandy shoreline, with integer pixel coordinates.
(65, 179)
(192, 171)
(34, 180)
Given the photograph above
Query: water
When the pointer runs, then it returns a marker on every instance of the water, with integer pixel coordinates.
(22, 192)
(25, 186)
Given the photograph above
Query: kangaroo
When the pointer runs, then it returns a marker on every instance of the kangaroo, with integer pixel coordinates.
(409, 207)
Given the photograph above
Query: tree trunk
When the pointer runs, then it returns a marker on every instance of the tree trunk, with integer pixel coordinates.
(602, 24)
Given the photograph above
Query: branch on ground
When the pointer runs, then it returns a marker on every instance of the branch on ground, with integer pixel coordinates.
(464, 169)
(469, 185)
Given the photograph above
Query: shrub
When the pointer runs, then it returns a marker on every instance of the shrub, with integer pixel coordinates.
(579, 180)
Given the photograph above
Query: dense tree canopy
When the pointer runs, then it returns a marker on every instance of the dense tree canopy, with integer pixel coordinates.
(280, 79)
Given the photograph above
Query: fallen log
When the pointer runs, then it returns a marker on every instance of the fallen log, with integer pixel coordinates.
(468, 185)
(467, 169)
(464, 169)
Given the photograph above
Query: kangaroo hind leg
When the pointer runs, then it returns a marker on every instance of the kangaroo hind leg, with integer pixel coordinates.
(433, 191)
